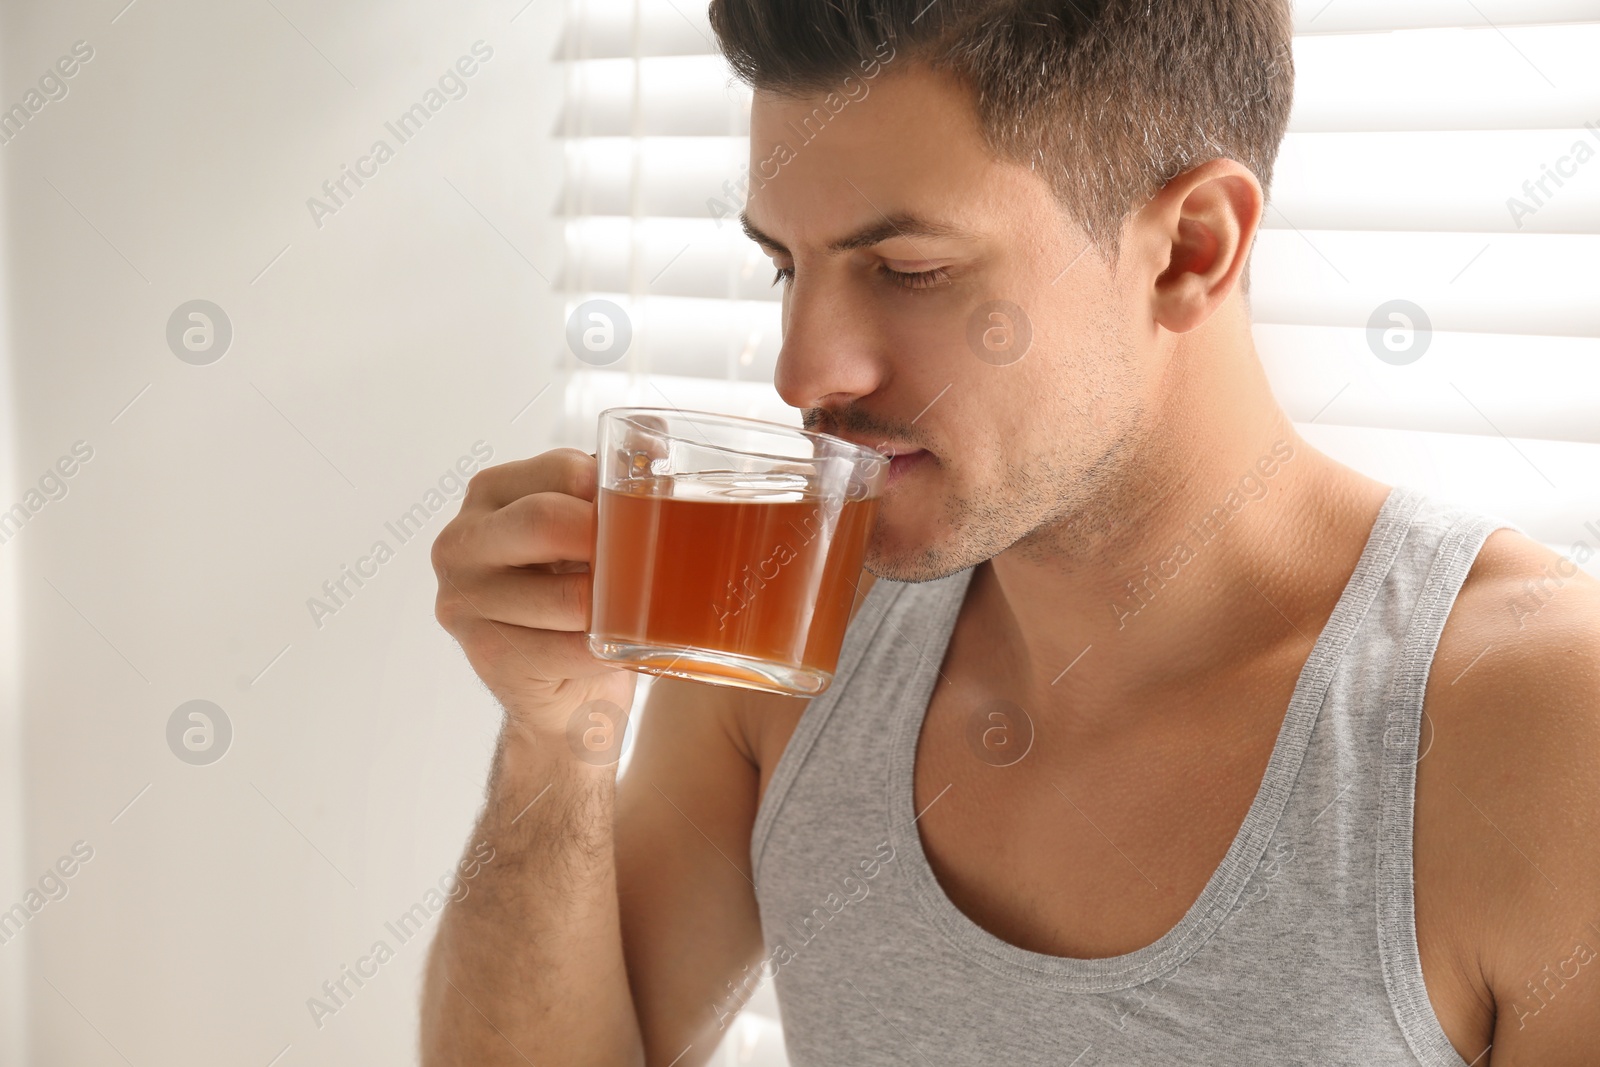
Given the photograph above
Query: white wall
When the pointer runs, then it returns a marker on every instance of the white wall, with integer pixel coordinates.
(13, 954)
(369, 356)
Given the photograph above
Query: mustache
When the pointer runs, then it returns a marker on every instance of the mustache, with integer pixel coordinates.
(855, 423)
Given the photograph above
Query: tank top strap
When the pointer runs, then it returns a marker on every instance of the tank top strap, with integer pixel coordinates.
(1456, 537)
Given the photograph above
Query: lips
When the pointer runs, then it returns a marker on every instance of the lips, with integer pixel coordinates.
(889, 448)
(903, 457)
(906, 462)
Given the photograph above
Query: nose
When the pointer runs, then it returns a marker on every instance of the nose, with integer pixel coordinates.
(832, 351)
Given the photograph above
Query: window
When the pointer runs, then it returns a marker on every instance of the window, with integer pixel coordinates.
(1419, 167)
(655, 127)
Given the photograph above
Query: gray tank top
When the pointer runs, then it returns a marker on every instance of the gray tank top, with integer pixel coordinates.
(1301, 949)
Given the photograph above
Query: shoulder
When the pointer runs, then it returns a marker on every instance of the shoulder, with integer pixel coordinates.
(1525, 628)
(1511, 778)
(1514, 690)
(1516, 677)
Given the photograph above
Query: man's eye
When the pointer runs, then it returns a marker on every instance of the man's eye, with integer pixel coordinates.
(921, 279)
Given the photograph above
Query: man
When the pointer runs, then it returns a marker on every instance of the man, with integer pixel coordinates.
(1160, 738)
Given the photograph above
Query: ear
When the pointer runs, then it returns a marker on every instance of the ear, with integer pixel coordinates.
(1196, 233)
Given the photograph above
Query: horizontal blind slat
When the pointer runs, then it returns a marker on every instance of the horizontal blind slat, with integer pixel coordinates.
(669, 28)
(1459, 385)
(680, 96)
(1525, 283)
(589, 391)
(677, 257)
(1485, 181)
(1488, 77)
(735, 340)
(1357, 16)
(604, 30)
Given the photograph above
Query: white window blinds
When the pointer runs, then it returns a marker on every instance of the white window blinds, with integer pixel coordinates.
(1442, 165)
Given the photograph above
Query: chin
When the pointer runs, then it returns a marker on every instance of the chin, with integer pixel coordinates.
(921, 557)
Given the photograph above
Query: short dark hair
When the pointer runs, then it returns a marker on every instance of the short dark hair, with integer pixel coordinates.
(1109, 100)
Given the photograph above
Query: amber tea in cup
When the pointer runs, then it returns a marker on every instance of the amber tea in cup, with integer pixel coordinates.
(727, 549)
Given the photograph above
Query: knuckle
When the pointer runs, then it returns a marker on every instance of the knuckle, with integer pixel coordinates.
(578, 471)
(443, 550)
(447, 609)
(478, 484)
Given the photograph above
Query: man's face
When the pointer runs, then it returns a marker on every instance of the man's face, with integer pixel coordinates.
(1005, 346)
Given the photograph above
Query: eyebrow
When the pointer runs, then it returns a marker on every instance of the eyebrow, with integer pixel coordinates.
(902, 224)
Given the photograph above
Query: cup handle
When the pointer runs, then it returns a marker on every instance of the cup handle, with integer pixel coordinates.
(642, 449)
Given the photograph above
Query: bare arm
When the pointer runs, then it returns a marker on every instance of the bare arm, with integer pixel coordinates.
(685, 810)
(527, 965)
(610, 916)
(580, 943)
(1509, 790)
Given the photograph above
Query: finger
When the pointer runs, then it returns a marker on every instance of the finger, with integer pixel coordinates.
(530, 599)
(515, 657)
(560, 470)
(541, 528)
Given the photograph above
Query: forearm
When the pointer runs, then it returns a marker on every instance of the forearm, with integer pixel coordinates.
(528, 966)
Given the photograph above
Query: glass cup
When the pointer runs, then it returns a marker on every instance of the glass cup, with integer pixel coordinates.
(728, 549)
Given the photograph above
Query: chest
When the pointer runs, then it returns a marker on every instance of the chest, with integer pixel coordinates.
(1078, 844)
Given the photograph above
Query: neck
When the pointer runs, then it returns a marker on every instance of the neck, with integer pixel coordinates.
(1225, 535)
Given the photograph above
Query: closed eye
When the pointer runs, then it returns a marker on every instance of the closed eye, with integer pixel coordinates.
(921, 279)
